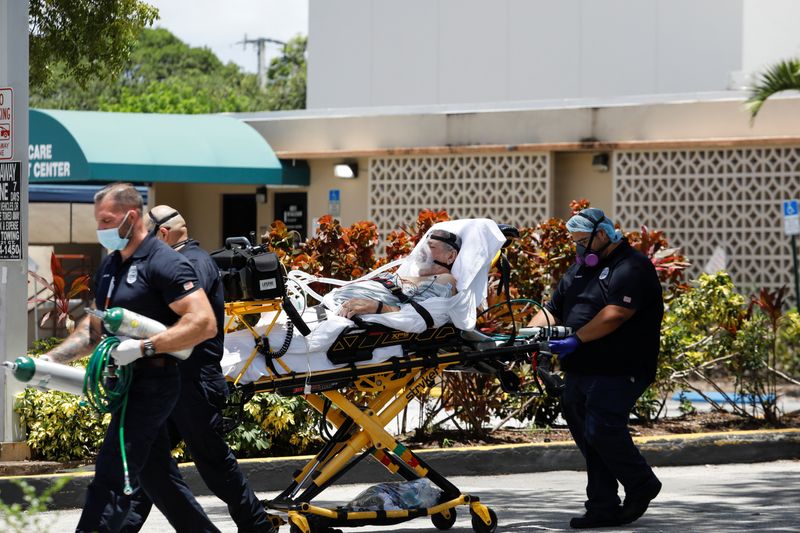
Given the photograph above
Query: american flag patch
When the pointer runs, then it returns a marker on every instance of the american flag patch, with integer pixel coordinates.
(626, 299)
(189, 284)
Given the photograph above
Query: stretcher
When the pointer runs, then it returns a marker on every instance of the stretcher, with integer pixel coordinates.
(359, 394)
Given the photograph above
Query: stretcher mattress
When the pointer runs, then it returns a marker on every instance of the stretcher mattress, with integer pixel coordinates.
(481, 241)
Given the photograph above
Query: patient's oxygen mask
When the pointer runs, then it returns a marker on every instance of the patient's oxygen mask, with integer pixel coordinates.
(420, 262)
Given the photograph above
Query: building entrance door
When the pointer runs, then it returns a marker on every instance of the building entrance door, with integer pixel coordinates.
(292, 208)
(238, 216)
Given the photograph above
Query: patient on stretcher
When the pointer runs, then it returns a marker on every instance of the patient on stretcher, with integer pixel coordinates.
(384, 293)
(446, 274)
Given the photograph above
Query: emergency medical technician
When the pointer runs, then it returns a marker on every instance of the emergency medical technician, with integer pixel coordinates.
(145, 276)
(611, 297)
(197, 417)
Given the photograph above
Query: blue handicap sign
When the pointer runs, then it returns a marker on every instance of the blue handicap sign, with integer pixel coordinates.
(790, 208)
(333, 195)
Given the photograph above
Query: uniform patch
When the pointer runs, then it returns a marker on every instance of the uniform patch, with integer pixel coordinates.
(626, 299)
(188, 285)
(133, 274)
(604, 273)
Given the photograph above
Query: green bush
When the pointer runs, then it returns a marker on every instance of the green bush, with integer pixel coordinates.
(275, 425)
(59, 426)
(789, 344)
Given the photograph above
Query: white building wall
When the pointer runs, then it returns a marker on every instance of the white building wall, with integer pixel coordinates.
(422, 52)
(770, 32)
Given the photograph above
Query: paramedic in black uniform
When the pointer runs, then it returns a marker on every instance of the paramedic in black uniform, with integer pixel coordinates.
(197, 417)
(611, 297)
(143, 275)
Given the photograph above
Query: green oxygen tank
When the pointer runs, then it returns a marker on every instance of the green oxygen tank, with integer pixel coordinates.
(120, 321)
(47, 375)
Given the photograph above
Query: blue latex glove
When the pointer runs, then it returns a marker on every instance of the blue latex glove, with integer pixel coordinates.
(564, 347)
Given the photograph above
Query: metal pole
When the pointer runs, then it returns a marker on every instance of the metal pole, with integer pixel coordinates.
(35, 310)
(262, 71)
(796, 275)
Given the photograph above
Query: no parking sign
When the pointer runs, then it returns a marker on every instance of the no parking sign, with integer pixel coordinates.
(6, 122)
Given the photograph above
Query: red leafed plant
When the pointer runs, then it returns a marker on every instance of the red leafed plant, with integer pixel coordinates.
(576, 206)
(402, 240)
(669, 262)
(337, 252)
(60, 294)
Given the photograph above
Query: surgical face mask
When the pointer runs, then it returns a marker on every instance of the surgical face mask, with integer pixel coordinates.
(110, 238)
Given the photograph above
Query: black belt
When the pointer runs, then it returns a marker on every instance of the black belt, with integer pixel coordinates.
(397, 292)
(157, 361)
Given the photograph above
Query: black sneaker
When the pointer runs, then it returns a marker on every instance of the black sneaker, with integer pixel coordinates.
(637, 502)
(597, 519)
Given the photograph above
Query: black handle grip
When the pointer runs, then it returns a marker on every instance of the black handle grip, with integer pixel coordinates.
(243, 241)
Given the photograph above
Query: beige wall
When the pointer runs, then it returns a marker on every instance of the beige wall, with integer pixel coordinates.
(353, 193)
(575, 178)
(84, 226)
(49, 223)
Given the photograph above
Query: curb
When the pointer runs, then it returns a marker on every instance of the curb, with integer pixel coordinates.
(274, 474)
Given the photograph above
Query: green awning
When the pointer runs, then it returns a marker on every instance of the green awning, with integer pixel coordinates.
(91, 146)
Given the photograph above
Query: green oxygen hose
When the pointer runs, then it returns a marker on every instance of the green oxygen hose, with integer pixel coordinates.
(106, 390)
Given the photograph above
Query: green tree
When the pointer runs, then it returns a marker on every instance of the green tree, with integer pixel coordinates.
(286, 76)
(783, 76)
(165, 75)
(88, 39)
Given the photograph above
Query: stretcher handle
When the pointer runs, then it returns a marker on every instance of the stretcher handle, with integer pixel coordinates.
(510, 232)
(244, 242)
(294, 316)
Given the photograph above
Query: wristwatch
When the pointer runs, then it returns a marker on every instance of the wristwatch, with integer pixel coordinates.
(148, 348)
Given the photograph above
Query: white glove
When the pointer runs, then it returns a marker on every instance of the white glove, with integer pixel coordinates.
(127, 351)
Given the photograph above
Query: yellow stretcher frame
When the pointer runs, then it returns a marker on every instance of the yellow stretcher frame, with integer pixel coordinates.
(360, 431)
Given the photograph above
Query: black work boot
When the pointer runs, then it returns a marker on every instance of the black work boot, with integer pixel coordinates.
(637, 502)
(597, 519)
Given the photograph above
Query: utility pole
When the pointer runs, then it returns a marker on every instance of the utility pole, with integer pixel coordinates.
(261, 47)
(13, 203)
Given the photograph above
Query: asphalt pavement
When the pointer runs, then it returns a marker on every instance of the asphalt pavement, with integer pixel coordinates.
(695, 499)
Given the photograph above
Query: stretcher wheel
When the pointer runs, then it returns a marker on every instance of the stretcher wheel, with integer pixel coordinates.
(445, 519)
(480, 527)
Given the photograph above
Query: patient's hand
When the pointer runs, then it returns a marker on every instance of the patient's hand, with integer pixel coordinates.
(361, 306)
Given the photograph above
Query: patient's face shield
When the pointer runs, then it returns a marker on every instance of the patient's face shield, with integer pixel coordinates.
(436, 256)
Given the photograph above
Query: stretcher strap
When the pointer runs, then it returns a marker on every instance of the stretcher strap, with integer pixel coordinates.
(397, 292)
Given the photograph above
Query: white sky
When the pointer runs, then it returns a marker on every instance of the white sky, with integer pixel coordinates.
(220, 24)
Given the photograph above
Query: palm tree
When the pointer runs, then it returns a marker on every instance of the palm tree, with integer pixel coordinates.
(783, 76)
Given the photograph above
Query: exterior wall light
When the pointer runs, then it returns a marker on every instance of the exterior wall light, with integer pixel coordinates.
(600, 162)
(261, 195)
(346, 170)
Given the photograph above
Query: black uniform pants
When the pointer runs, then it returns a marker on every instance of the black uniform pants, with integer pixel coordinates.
(153, 393)
(597, 409)
(197, 419)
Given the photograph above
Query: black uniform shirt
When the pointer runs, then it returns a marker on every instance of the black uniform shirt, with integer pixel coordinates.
(625, 278)
(206, 356)
(147, 283)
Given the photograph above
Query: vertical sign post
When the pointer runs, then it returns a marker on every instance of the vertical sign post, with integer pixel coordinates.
(791, 227)
(13, 202)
